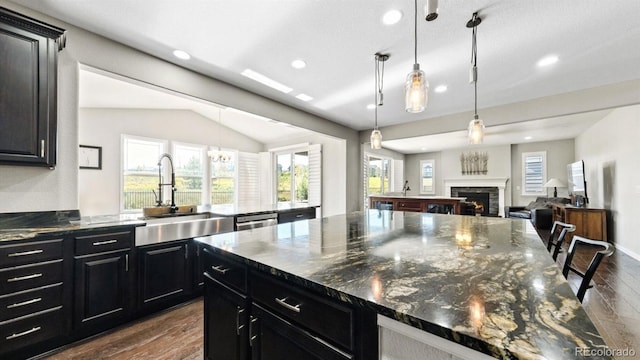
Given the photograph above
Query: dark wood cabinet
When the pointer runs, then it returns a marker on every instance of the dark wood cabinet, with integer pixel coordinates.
(28, 102)
(35, 296)
(590, 222)
(285, 216)
(104, 281)
(226, 322)
(165, 275)
(272, 337)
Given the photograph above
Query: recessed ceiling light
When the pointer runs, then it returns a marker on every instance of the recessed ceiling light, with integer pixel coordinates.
(298, 64)
(547, 60)
(266, 81)
(371, 106)
(304, 97)
(391, 17)
(528, 137)
(181, 54)
(441, 88)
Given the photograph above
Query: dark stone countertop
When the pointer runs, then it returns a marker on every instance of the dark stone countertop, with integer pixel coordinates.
(28, 225)
(486, 283)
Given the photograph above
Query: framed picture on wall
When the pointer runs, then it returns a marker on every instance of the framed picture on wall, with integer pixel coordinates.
(90, 157)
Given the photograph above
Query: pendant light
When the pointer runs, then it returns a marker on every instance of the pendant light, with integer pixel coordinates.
(417, 86)
(476, 126)
(376, 135)
(217, 155)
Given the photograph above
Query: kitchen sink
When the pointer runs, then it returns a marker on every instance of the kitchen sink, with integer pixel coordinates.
(163, 229)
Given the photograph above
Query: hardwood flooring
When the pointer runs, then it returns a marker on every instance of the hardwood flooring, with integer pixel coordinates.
(613, 305)
(173, 334)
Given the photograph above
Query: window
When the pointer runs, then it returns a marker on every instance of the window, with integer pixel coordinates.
(223, 179)
(427, 185)
(534, 173)
(377, 174)
(140, 171)
(292, 177)
(188, 162)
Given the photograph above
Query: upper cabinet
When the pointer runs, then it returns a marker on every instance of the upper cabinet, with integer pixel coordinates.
(28, 103)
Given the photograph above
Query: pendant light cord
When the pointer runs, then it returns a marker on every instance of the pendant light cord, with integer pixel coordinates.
(415, 31)
(379, 78)
(474, 59)
(375, 127)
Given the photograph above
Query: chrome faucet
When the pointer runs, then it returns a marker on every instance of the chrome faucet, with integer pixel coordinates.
(173, 206)
(405, 187)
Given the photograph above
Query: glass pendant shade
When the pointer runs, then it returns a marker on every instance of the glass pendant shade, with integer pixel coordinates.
(376, 139)
(476, 130)
(416, 90)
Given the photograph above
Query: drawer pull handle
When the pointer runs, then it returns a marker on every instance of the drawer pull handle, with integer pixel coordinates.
(28, 302)
(283, 302)
(299, 215)
(220, 269)
(238, 326)
(10, 337)
(24, 253)
(26, 277)
(252, 337)
(98, 243)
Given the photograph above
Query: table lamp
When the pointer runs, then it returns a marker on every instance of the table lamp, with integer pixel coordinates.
(555, 184)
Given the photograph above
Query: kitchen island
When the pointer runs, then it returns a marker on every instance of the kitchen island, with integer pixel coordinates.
(485, 283)
(417, 203)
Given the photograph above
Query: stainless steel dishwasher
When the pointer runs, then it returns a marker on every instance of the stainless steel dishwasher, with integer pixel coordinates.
(244, 222)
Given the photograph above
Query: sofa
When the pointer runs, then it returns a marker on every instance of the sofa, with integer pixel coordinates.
(538, 211)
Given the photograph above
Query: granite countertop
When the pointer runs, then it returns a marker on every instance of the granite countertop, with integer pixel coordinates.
(486, 283)
(21, 226)
(234, 210)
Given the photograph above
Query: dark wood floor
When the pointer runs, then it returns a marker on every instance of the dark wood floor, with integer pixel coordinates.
(613, 305)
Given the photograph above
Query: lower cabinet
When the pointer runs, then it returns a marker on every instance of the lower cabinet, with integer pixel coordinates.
(275, 338)
(104, 281)
(165, 275)
(253, 315)
(225, 322)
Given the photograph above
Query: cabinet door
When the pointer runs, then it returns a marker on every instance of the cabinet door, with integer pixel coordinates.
(102, 291)
(27, 90)
(274, 338)
(225, 322)
(164, 274)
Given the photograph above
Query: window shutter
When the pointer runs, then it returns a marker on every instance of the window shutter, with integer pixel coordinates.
(248, 180)
(533, 173)
(398, 175)
(315, 175)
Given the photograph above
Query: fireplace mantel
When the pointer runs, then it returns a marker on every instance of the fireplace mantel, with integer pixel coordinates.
(500, 183)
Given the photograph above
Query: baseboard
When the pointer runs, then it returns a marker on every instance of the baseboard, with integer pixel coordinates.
(632, 254)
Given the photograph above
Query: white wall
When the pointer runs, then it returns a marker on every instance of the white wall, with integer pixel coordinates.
(559, 154)
(99, 190)
(609, 149)
(334, 170)
(29, 189)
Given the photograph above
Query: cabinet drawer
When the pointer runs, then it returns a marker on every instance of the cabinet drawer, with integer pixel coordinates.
(297, 214)
(331, 320)
(30, 276)
(31, 301)
(26, 253)
(92, 244)
(408, 205)
(31, 330)
(226, 271)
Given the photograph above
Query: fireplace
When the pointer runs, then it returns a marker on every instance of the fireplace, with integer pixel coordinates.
(480, 200)
(474, 183)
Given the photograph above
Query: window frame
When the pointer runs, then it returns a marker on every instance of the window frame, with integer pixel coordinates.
(433, 176)
(390, 166)
(203, 163)
(123, 139)
(291, 151)
(235, 158)
(525, 156)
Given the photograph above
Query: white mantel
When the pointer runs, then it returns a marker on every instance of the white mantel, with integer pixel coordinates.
(479, 181)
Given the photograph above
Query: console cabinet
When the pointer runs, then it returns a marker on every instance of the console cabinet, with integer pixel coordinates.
(590, 222)
(28, 69)
(436, 204)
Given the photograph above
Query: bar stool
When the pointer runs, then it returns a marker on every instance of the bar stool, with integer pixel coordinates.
(556, 240)
(608, 250)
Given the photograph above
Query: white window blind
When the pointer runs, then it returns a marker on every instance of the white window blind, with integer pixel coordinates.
(248, 180)
(315, 175)
(534, 173)
(398, 175)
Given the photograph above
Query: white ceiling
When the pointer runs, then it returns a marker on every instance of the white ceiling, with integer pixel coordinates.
(596, 42)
